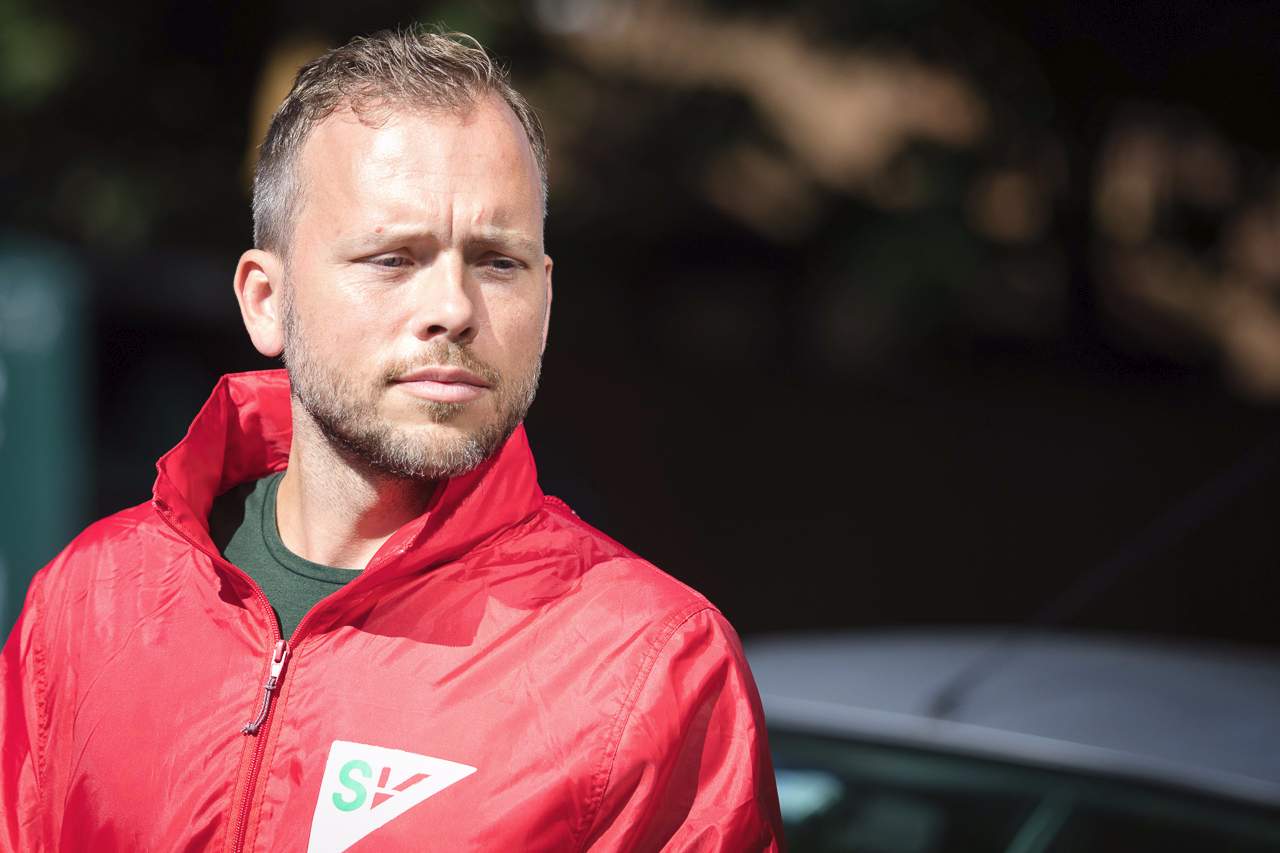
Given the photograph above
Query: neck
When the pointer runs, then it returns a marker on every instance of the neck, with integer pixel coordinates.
(334, 509)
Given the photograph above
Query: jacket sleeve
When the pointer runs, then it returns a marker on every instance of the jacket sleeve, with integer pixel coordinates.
(21, 701)
(691, 769)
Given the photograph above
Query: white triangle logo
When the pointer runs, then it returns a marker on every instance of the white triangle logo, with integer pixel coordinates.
(365, 786)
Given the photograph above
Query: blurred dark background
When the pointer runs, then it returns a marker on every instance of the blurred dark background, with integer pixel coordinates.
(871, 313)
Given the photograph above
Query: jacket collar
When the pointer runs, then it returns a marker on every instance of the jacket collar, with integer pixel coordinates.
(243, 433)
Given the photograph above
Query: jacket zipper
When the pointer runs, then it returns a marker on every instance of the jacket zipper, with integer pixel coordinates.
(261, 725)
(278, 657)
(258, 728)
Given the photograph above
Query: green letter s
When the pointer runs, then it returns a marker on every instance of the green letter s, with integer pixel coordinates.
(359, 792)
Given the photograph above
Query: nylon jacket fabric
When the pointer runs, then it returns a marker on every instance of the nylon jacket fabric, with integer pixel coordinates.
(601, 704)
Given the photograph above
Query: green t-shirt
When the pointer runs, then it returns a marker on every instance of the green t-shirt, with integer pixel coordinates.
(243, 526)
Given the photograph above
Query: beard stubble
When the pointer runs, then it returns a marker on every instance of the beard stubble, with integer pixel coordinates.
(347, 415)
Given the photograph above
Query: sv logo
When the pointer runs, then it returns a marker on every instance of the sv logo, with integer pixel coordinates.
(349, 806)
(354, 776)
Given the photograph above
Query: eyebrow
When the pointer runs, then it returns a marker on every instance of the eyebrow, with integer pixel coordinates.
(489, 235)
(493, 235)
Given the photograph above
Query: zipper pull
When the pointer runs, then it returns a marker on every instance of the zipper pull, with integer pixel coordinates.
(278, 657)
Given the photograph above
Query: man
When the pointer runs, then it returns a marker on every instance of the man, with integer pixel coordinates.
(349, 619)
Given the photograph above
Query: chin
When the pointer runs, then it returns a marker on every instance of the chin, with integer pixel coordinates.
(454, 428)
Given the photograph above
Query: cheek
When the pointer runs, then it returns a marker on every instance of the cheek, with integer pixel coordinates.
(519, 333)
(344, 327)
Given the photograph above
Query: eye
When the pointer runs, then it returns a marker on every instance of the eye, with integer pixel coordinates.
(389, 261)
(501, 265)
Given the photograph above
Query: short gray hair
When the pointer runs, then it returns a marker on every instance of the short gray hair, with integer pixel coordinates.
(414, 68)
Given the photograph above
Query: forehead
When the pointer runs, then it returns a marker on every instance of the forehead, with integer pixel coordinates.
(392, 163)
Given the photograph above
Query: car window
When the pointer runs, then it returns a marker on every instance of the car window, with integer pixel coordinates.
(843, 795)
(840, 796)
(1092, 829)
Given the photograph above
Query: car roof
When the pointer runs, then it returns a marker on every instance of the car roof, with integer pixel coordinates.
(1203, 717)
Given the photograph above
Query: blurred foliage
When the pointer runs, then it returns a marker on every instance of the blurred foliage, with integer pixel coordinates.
(37, 54)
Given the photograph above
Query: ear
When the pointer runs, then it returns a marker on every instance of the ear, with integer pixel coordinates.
(258, 282)
(546, 320)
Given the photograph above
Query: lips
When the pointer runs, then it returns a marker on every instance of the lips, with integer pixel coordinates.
(444, 374)
(443, 384)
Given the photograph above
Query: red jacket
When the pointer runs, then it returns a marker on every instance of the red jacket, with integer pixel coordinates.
(502, 677)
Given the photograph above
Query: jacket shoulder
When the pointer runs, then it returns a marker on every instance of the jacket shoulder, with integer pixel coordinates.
(108, 547)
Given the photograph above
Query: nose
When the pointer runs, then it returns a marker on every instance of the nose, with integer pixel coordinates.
(442, 305)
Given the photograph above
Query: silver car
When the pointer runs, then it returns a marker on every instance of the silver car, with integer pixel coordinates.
(925, 741)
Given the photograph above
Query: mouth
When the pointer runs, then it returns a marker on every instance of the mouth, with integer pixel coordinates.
(443, 384)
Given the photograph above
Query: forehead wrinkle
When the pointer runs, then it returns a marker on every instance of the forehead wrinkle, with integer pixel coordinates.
(378, 235)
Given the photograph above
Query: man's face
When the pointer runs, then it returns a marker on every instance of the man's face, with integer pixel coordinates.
(417, 294)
